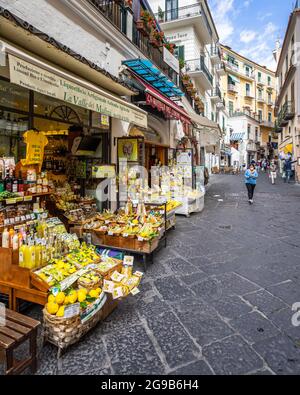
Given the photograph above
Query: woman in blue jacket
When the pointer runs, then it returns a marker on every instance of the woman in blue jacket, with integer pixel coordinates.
(250, 181)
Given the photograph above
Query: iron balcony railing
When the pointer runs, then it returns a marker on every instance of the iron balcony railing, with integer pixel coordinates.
(187, 11)
(216, 92)
(198, 65)
(118, 15)
(215, 51)
(286, 113)
(232, 88)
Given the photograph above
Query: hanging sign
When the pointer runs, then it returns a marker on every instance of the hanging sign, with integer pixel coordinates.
(171, 60)
(40, 80)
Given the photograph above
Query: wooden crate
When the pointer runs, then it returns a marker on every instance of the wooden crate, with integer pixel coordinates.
(127, 242)
(112, 241)
(146, 246)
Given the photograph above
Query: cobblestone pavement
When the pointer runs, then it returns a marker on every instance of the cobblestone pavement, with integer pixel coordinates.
(217, 300)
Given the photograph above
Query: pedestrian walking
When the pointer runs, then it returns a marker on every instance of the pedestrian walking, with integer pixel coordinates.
(273, 171)
(287, 169)
(250, 181)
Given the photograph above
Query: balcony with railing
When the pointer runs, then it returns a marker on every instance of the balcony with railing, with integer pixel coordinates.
(215, 54)
(216, 95)
(267, 124)
(286, 113)
(198, 69)
(121, 17)
(193, 14)
(220, 69)
(260, 99)
(235, 68)
(232, 88)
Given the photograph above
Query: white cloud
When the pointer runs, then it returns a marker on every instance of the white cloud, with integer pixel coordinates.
(246, 36)
(222, 13)
(247, 3)
(261, 18)
(270, 28)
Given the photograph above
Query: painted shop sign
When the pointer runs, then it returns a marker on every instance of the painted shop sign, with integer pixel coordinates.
(40, 80)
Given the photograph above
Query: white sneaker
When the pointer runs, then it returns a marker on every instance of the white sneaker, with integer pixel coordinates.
(251, 201)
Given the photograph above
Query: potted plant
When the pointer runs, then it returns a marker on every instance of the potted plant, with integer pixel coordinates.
(156, 38)
(145, 23)
(186, 79)
(181, 63)
(193, 92)
(189, 87)
(170, 47)
(161, 15)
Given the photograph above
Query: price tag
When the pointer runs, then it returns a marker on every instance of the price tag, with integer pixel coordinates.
(110, 233)
(125, 235)
(72, 310)
(117, 277)
(32, 216)
(12, 221)
(128, 260)
(6, 221)
(19, 199)
(140, 238)
(23, 218)
(17, 219)
(28, 216)
(118, 293)
(108, 286)
(11, 201)
(134, 291)
(107, 221)
(27, 198)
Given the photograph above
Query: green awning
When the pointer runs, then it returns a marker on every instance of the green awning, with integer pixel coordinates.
(234, 79)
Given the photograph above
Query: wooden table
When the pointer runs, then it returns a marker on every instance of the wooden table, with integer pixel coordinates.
(16, 330)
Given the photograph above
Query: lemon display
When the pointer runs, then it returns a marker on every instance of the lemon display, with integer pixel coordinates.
(51, 298)
(60, 312)
(93, 293)
(81, 296)
(60, 297)
(67, 300)
(98, 290)
(72, 296)
(52, 308)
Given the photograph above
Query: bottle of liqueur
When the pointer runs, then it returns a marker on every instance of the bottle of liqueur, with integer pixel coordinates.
(20, 183)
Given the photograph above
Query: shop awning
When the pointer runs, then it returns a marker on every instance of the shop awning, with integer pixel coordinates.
(237, 136)
(170, 109)
(33, 73)
(146, 70)
(234, 78)
(203, 122)
(288, 149)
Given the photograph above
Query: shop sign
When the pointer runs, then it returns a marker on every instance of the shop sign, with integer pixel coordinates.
(171, 60)
(40, 80)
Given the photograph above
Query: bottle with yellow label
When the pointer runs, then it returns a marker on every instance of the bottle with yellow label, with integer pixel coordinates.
(22, 250)
(38, 253)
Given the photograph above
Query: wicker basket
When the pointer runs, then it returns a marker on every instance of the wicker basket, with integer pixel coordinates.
(63, 332)
(91, 285)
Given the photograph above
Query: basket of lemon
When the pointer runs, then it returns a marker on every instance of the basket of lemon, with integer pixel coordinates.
(90, 280)
(70, 315)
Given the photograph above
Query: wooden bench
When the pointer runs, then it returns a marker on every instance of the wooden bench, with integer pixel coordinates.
(16, 330)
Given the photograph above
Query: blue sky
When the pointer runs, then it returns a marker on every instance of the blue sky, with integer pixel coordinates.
(251, 27)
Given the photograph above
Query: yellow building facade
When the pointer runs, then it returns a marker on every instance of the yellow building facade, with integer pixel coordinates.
(250, 89)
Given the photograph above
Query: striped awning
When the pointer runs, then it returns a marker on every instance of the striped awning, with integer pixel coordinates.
(237, 136)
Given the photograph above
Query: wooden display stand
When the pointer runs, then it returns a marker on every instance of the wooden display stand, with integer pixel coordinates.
(16, 282)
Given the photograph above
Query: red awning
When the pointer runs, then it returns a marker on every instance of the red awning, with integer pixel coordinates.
(170, 109)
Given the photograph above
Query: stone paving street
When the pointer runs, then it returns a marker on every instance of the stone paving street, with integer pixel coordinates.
(217, 300)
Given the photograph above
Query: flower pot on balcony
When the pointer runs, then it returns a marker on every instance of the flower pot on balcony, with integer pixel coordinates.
(141, 28)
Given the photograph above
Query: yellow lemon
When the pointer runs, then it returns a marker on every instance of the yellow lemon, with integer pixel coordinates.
(60, 297)
(51, 298)
(81, 296)
(52, 308)
(93, 293)
(67, 300)
(61, 312)
(83, 290)
(98, 290)
(72, 297)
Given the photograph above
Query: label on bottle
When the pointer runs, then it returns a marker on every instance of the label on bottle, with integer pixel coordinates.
(33, 256)
(21, 257)
(27, 198)
(11, 201)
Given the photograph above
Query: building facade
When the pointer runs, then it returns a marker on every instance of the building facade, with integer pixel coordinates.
(189, 25)
(249, 91)
(288, 100)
